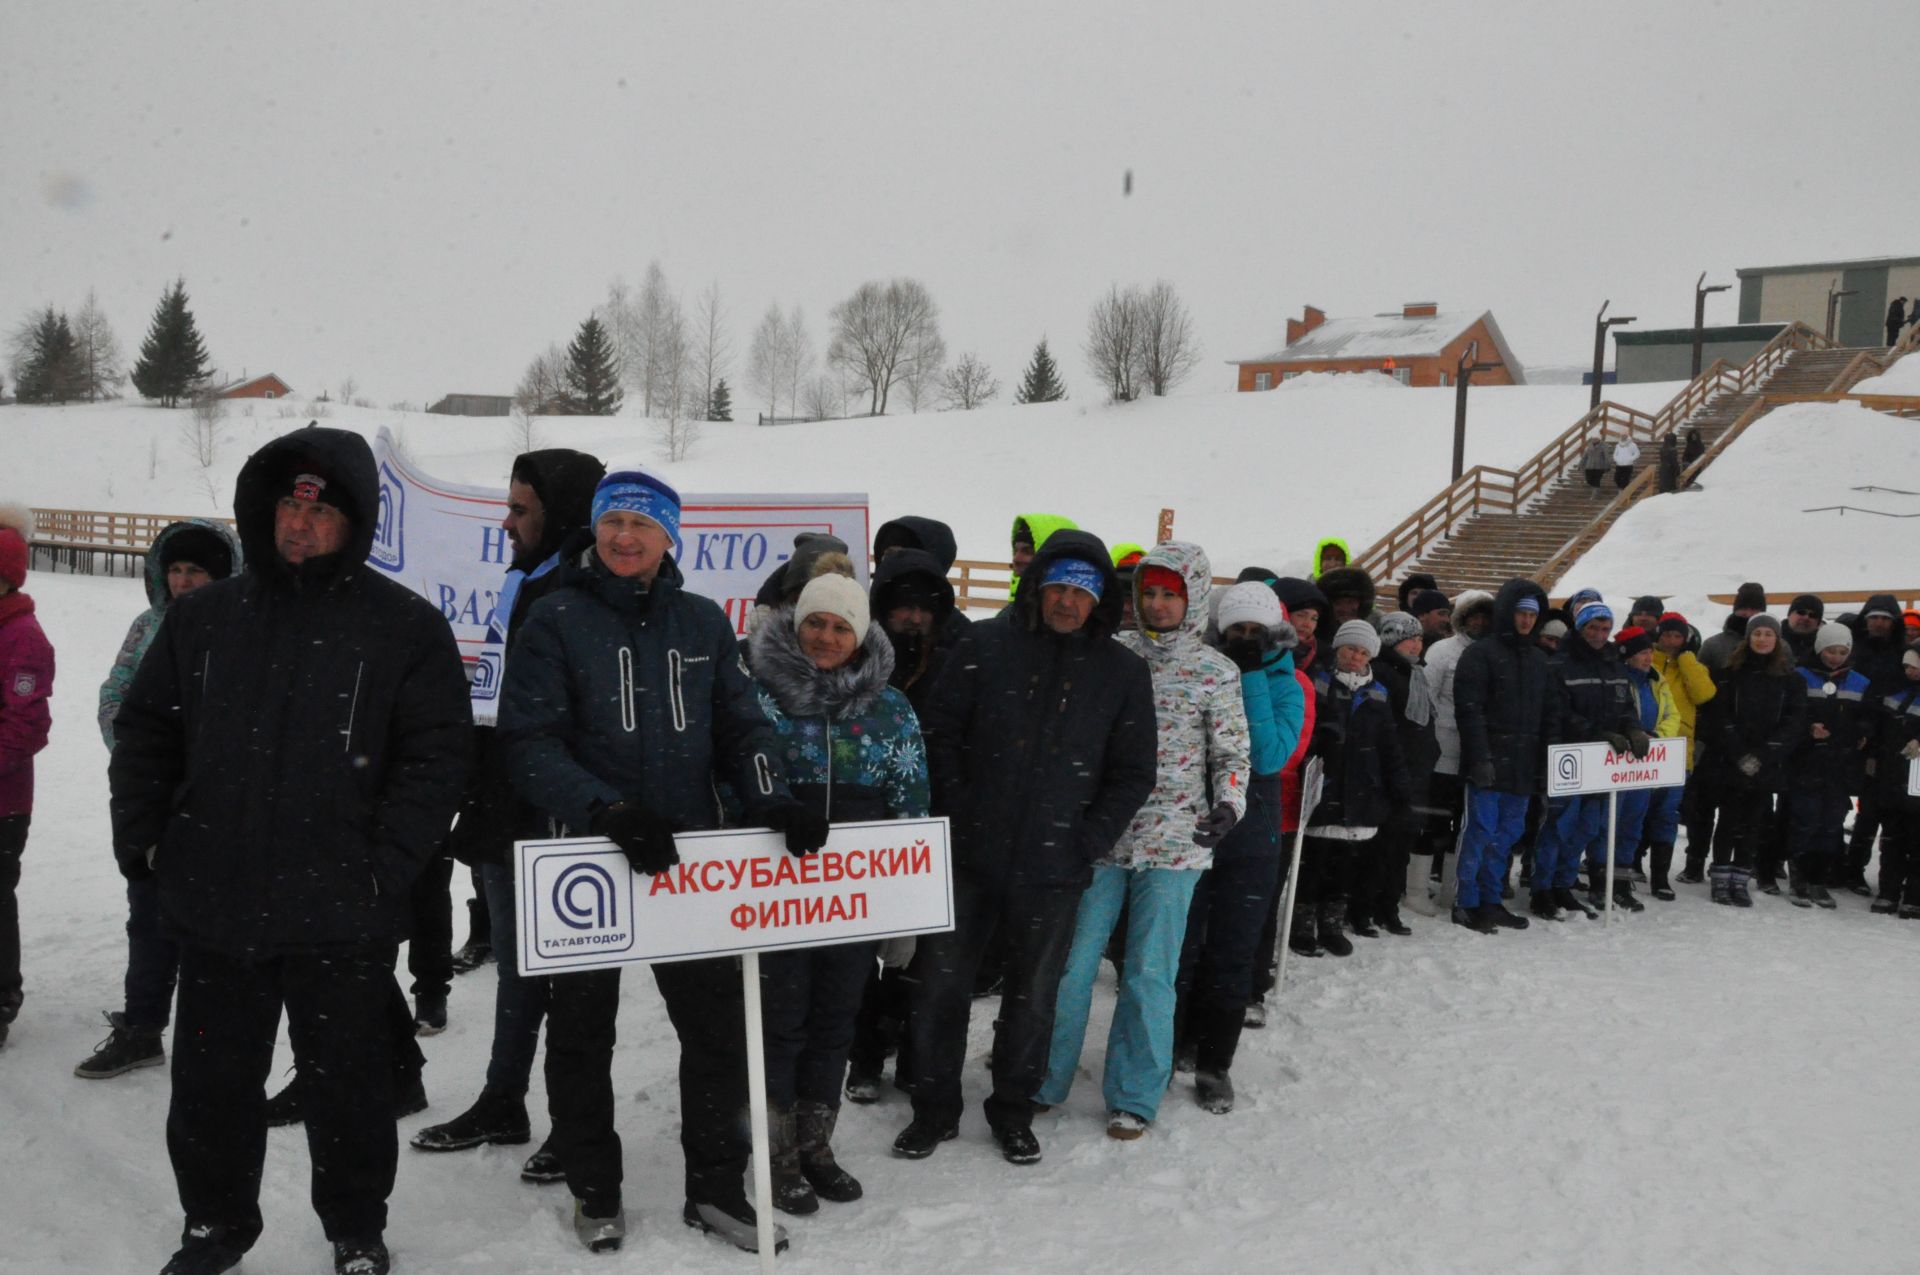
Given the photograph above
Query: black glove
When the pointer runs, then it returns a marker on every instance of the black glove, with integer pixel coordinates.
(644, 837)
(1247, 654)
(1483, 775)
(134, 863)
(1615, 740)
(806, 830)
(1214, 826)
(1639, 741)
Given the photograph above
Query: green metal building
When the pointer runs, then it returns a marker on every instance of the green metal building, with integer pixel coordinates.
(1786, 293)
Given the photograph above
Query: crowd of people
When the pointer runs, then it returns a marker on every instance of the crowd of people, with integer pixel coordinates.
(294, 771)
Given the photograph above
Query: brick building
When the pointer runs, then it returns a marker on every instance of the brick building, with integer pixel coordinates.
(1418, 344)
(267, 386)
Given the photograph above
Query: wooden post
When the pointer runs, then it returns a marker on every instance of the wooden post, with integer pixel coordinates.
(1165, 531)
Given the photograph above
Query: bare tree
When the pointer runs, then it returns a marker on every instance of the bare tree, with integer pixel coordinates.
(348, 388)
(619, 314)
(824, 397)
(968, 384)
(879, 332)
(523, 431)
(678, 426)
(920, 377)
(763, 358)
(796, 355)
(200, 429)
(663, 343)
(543, 386)
(712, 346)
(98, 351)
(1168, 352)
(1113, 349)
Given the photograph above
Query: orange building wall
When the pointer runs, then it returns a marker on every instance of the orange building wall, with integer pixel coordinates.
(1423, 372)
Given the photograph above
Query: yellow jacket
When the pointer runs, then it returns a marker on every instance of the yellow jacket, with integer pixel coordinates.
(1686, 679)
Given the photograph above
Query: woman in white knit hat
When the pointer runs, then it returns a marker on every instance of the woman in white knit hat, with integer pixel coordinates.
(852, 750)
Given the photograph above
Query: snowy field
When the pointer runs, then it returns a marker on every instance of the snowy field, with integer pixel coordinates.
(1253, 477)
(1768, 512)
(1697, 1090)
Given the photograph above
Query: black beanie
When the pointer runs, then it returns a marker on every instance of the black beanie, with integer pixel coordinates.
(1811, 605)
(1751, 597)
(1428, 600)
(1648, 604)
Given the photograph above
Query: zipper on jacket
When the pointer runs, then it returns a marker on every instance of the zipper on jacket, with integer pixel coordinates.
(673, 690)
(763, 773)
(626, 689)
(353, 706)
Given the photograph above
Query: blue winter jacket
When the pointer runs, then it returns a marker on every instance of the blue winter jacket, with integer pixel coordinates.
(623, 692)
(1276, 709)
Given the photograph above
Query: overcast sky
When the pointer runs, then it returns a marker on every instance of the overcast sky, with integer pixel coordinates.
(422, 196)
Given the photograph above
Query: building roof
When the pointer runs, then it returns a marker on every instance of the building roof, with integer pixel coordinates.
(1857, 263)
(248, 380)
(1684, 336)
(1390, 335)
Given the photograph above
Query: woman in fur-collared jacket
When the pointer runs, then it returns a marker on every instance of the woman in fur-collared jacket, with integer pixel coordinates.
(851, 748)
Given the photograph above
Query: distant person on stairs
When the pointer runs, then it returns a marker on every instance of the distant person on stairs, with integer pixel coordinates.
(1626, 454)
(1669, 465)
(1593, 463)
(1896, 319)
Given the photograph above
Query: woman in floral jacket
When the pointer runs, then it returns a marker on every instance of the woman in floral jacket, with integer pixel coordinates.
(1198, 796)
(851, 747)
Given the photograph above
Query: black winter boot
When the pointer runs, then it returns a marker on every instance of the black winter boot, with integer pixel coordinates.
(1571, 902)
(1661, 856)
(1737, 879)
(124, 1049)
(1695, 871)
(1213, 1090)
(792, 1193)
(1331, 938)
(1542, 905)
(1797, 892)
(813, 1127)
(1472, 919)
(1498, 915)
(1360, 921)
(495, 1117)
(206, 1250)
(1304, 937)
(1623, 895)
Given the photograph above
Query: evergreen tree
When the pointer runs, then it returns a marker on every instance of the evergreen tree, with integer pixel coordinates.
(720, 407)
(173, 359)
(1042, 383)
(52, 372)
(593, 373)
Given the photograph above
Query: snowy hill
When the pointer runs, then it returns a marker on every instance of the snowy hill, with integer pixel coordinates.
(1253, 477)
(1768, 512)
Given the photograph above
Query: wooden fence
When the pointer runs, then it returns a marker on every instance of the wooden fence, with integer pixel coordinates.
(97, 542)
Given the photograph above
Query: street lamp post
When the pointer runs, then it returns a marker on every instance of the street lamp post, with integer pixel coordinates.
(1834, 293)
(1600, 325)
(1700, 315)
(1468, 366)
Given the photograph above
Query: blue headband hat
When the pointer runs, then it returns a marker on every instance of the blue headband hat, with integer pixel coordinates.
(1081, 575)
(636, 491)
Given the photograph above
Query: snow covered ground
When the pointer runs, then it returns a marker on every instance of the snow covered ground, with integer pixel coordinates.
(1768, 512)
(1253, 477)
(1698, 1089)
(1902, 378)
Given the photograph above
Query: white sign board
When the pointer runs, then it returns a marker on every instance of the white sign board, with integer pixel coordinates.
(444, 541)
(1913, 778)
(1582, 768)
(580, 906)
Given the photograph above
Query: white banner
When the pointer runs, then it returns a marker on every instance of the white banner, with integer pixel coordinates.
(1582, 768)
(445, 542)
(580, 906)
(1913, 778)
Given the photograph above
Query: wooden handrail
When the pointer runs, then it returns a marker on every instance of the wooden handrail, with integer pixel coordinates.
(1467, 496)
(1825, 595)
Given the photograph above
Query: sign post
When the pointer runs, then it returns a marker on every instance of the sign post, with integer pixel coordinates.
(1311, 782)
(1585, 769)
(580, 906)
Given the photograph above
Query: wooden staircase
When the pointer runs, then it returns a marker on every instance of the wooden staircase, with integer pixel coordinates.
(1492, 525)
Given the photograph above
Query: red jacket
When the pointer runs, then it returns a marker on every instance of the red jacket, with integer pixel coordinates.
(26, 681)
(1290, 773)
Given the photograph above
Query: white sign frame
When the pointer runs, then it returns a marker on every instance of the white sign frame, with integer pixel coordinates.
(1577, 770)
(900, 869)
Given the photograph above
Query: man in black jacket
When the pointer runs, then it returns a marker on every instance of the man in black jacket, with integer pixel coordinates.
(1504, 704)
(1879, 639)
(914, 603)
(935, 538)
(286, 762)
(625, 701)
(548, 498)
(1041, 747)
(1596, 704)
